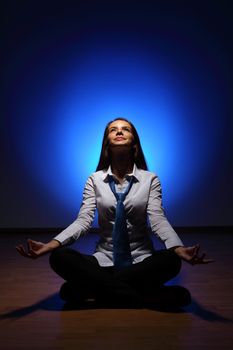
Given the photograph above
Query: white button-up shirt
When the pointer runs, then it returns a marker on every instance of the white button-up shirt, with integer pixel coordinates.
(143, 202)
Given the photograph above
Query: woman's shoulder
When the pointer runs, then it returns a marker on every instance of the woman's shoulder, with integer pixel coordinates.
(100, 174)
(146, 173)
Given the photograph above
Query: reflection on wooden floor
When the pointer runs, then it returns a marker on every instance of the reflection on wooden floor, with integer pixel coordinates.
(32, 315)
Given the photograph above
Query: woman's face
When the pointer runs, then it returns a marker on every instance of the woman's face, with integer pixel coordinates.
(120, 133)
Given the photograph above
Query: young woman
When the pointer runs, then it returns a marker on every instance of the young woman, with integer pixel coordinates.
(125, 269)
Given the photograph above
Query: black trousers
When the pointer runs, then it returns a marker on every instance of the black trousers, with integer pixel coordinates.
(89, 279)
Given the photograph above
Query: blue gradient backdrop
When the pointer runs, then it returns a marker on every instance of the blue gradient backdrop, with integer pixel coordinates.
(65, 81)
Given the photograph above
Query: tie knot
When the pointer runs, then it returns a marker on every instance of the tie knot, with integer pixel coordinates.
(120, 196)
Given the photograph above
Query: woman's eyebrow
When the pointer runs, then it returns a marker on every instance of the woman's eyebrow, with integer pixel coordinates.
(123, 127)
(114, 128)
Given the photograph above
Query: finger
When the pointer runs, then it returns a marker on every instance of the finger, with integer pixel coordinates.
(33, 254)
(192, 260)
(31, 241)
(21, 248)
(197, 248)
(202, 256)
(202, 261)
(197, 259)
(34, 244)
(207, 261)
(31, 245)
(18, 249)
(22, 251)
(195, 256)
(194, 249)
(189, 253)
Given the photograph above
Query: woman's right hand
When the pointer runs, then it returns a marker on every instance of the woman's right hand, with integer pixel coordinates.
(36, 249)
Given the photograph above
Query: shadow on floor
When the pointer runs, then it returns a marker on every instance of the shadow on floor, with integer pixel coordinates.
(54, 303)
(200, 311)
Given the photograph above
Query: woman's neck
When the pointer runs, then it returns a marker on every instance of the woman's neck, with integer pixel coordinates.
(121, 164)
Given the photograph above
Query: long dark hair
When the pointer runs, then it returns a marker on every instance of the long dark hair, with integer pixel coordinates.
(105, 156)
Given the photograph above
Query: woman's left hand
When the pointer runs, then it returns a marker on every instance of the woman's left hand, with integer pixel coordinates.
(192, 256)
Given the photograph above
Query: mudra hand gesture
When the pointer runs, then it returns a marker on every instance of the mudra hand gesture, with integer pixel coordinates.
(191, 255)
(36, 249)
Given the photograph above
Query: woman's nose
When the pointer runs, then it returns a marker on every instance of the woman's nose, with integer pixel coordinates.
(119, 131)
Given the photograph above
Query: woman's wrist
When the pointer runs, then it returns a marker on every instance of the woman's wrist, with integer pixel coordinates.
(175, 248)
(53, 244)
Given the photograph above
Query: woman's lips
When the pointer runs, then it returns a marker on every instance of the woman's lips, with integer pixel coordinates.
(119, 138)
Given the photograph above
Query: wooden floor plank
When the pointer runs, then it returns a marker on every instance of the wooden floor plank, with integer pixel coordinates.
(32, 315)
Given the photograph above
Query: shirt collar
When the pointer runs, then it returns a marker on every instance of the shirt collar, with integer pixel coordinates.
(134, 173)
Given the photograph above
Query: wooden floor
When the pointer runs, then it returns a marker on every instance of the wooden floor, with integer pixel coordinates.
(32, 315)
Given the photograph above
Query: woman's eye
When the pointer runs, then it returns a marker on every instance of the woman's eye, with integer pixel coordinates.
(125, 129)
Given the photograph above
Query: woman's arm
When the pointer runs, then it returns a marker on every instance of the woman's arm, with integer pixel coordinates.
(85, 217)
(158, 221)
(162, 228)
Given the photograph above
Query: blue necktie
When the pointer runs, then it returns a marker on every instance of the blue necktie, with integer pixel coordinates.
(121, 247)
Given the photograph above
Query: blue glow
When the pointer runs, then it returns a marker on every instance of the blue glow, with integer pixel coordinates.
(61, 139)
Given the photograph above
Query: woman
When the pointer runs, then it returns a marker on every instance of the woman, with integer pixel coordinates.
(125, 268)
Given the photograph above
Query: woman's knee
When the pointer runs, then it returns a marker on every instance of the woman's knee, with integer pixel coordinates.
(57, 256)
(170, 262)
(176, 262)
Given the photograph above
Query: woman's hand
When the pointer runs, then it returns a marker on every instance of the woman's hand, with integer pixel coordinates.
(36, 249)
(191, 255)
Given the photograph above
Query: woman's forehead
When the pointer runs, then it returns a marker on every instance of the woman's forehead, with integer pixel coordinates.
(119, 123)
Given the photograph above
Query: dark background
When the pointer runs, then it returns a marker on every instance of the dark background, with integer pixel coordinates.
(193, 39)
